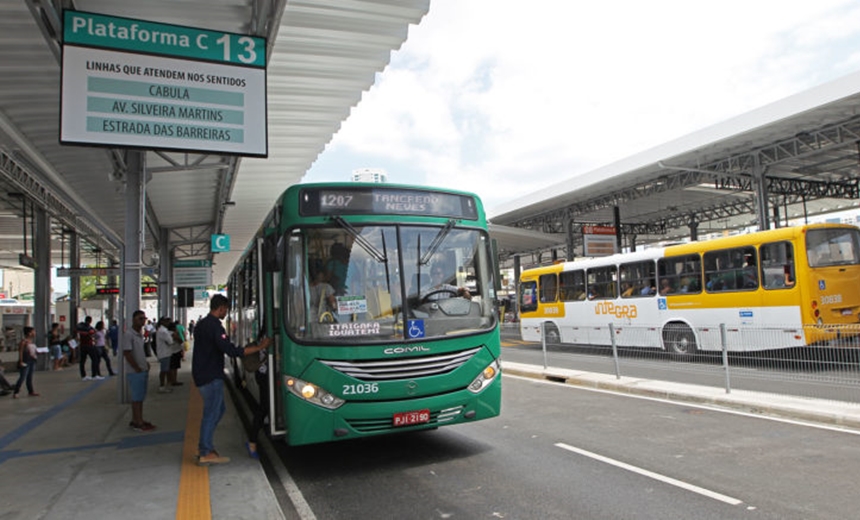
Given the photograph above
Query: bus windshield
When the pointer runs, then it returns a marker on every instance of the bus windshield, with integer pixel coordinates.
(833, 246)
(354, 284)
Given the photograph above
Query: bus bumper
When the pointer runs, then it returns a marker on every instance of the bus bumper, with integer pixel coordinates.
(308, 423)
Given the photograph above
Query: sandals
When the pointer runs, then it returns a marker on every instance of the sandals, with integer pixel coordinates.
(212, 458)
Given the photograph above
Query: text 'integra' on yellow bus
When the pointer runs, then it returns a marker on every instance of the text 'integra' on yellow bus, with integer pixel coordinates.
(796, 286)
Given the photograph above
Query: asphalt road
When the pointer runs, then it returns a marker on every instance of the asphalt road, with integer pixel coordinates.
(559, 451)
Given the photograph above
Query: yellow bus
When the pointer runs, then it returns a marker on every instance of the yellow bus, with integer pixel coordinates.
(781, 288)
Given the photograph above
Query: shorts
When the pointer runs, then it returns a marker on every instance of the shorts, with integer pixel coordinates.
(164, 363)
(56, 351)
(137, 382)
(176, 361)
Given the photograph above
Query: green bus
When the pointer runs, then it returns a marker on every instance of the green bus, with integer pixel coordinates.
(363, 288)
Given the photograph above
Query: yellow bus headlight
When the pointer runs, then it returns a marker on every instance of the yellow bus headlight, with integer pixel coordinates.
(487, 375)
(312, 393)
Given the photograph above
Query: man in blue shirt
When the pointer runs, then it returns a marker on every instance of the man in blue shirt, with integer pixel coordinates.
(207, 368)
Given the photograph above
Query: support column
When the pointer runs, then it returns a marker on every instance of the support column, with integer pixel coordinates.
(694, 229)
(165, 263)
(760, 186)
(616, 214)
(74, 281)
(113, 305)
(571, 253)
(42, 278)
(135, 205)
(517, 270)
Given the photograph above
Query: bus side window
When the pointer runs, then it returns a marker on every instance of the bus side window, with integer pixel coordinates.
(570, 286)
(548, 285)
(528, 296)
(777, 265)
(601, 282)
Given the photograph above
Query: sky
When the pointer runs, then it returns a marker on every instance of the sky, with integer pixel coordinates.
(505, 98)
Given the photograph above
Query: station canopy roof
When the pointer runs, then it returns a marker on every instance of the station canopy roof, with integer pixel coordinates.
(805, 150)
(323, 54)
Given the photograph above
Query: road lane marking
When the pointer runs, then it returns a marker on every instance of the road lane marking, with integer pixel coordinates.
(650, 474)
(292, 489)
(514, 342)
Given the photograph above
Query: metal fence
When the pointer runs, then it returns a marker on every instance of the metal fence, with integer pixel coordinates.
(765, 359)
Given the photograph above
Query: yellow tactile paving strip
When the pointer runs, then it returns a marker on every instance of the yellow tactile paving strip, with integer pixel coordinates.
(193, 500)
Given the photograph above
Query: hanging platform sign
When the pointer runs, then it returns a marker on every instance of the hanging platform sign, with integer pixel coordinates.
(599, 240)
(139, 84)
(192, 277)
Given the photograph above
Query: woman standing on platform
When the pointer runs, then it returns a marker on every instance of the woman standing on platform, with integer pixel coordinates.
(26, 362)
(56, 346)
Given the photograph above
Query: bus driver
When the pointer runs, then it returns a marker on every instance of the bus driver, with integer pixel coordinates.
(439, 289)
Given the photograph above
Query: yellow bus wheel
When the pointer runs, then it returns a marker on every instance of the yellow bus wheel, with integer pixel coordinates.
(679, 340)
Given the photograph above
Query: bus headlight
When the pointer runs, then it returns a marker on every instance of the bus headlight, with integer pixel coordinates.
(312, 393)
(486, 377)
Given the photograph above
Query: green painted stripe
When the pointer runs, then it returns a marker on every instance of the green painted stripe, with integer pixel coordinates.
(167, 92)
(164, 130)
(164, 110)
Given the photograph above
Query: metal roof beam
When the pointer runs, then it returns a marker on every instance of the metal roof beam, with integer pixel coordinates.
(44, 196)
(803, 145)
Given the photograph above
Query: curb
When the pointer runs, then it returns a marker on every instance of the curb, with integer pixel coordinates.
(818, 411)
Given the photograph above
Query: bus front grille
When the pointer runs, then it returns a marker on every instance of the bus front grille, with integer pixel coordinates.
(378, 424)
(403, 368)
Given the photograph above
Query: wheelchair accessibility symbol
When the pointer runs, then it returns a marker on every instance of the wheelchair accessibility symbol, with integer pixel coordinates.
(414, 329)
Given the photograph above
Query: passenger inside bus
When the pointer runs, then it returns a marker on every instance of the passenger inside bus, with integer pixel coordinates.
(750, 274)
(322, 300)
(665, 287)
(627, 290)
(788, 275)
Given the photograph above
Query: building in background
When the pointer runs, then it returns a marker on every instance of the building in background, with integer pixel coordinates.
(369, 175)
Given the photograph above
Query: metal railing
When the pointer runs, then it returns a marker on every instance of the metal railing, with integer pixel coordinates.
(766, 359)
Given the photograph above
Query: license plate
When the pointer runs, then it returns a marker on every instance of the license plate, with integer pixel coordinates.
(414, 417)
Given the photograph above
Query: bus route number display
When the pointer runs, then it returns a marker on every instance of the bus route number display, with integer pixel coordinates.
(386, 201)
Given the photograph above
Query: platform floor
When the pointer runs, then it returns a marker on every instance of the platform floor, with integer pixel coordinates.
(70, 454)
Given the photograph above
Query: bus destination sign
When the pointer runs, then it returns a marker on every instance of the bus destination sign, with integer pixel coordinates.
(386, 201)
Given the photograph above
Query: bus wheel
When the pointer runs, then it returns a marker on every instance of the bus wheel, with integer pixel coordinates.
(679, 339)
(553, 337)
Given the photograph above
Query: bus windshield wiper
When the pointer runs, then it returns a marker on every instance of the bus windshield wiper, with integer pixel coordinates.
(437, 241)
(382, 258)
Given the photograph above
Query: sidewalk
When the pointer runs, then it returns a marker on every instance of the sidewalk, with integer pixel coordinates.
(70, 454)
(835, 413)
